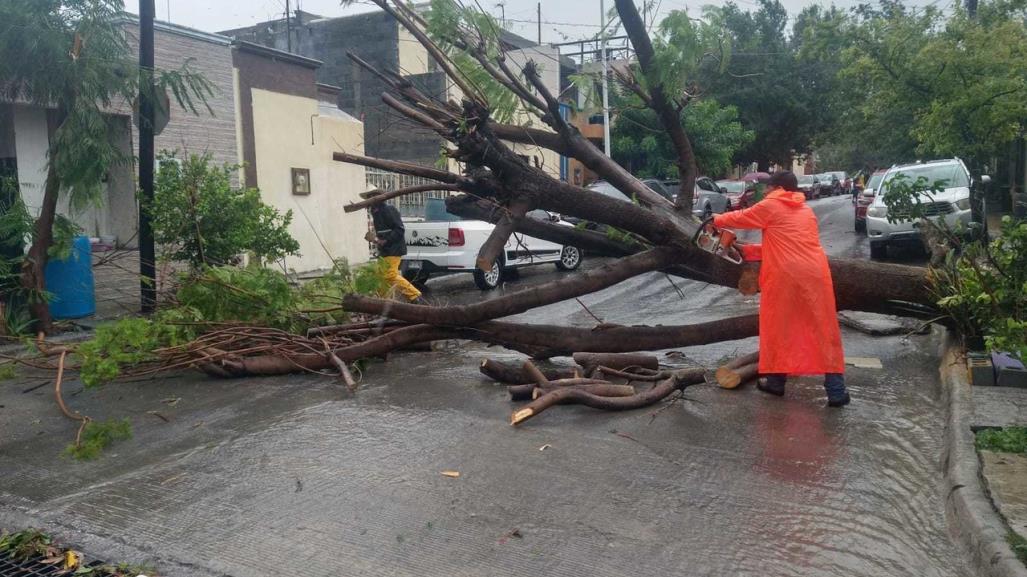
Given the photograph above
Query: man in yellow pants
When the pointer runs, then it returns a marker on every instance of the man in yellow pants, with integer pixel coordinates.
(389, 236)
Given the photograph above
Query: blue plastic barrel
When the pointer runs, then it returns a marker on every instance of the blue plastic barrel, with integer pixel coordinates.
(70, 283)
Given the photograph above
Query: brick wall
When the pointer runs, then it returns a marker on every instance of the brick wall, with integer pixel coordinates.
(201, 132)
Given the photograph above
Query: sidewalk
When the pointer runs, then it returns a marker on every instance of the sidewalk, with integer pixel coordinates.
(1005, 474)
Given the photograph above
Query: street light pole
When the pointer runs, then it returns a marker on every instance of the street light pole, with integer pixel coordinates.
(606, 89)
(147, 251)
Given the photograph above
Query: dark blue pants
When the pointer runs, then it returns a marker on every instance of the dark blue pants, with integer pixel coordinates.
(834, 383)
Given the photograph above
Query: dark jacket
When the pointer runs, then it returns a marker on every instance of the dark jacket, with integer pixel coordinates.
(388, 226)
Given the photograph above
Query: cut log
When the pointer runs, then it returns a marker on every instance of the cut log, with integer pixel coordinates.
(525, 392)
(617, 361)
(679, 380)
(600, 389)
(514, 374)
(727, 375)
(535, 374)
(731, 378)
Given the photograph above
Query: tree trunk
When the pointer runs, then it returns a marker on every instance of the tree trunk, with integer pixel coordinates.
(33, 276)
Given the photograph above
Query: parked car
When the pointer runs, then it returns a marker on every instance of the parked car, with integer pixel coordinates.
(740, 194)
(809, 184)
(865, 197)
(834, 183)
(708, 199)
(952, 204)
(444, 243)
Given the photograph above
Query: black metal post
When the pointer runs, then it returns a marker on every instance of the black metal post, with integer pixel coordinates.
(147, 252)
(540, 24)
(288, 26)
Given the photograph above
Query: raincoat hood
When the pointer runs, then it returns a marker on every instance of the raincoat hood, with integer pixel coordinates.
(789, 198)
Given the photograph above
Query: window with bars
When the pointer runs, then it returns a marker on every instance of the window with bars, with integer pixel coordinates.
(411, 205)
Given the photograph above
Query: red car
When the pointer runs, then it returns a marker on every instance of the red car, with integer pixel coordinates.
(866, 197)
(740, 194)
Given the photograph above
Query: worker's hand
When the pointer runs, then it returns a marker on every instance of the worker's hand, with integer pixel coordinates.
(370, 237)
(709, 228)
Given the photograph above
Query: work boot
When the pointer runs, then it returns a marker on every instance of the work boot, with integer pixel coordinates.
(834, 384)
(772, 384)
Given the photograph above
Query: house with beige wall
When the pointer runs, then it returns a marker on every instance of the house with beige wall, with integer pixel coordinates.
(287, 127)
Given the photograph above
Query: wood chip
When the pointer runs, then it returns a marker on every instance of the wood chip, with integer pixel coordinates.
(864, 362)
(451, 474)
(544, 447)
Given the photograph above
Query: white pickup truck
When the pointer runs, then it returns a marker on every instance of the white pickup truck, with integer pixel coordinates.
(443, 243)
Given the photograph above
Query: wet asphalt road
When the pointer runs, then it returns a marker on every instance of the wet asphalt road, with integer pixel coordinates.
(293, 477)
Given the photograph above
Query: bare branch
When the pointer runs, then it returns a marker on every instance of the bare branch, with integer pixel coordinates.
(380, 198)
(401, 167)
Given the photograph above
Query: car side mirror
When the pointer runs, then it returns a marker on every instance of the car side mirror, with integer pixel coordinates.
(985, 179)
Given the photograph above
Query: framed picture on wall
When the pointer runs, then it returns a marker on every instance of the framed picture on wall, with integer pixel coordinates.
(301, 181)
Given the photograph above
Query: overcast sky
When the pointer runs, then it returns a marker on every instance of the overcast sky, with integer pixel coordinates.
(562, 20)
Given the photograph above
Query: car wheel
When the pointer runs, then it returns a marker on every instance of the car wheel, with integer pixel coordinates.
(878, 250)
(570, 258)
(861, 226)
(490, 279)
(707, 212)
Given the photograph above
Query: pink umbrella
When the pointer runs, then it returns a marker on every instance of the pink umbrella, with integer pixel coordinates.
(756, 177)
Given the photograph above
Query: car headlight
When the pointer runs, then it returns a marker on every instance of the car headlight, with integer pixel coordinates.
(963, 204)
(877, 211)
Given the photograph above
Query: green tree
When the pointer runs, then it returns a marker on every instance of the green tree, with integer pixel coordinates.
(764, 81)
(921, 82)
(641, 145)
(204, 220)
(72, 56)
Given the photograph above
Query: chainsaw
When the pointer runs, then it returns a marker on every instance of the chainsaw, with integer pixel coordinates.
(718, 242)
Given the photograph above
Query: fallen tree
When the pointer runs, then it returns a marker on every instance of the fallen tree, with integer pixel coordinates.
(499, 185)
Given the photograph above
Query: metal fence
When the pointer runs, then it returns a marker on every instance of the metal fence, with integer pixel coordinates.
(410, 205)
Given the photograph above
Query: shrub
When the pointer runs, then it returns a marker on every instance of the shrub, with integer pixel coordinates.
(204, 220)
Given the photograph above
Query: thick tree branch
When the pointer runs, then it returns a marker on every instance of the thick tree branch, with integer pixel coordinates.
(661, 103)
(493, 246)
(524, 300)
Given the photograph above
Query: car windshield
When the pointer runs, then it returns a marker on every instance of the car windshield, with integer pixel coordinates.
(838, 175)
(806, 179)
(875, 181)
(607, 189)
(951, 173)
(732, 186)
(435, 211)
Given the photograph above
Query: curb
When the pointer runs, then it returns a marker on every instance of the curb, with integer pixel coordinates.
(971, 516)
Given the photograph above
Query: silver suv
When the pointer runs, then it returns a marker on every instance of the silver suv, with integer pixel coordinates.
(951, 204)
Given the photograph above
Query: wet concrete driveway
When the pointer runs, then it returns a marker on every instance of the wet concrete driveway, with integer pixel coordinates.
(294, 477)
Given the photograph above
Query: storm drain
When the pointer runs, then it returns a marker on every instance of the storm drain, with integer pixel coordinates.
(33, 567)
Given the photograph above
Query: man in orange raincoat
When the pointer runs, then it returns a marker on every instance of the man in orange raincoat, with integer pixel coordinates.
(799, 333)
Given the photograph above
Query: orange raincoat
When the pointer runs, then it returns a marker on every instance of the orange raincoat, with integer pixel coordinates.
(799, 331)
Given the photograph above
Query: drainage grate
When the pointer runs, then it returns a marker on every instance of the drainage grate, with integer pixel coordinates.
(33, 567)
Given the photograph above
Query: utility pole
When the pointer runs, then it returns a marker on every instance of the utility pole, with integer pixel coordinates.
(606, 89)
(288, 26)
(147, 251)
(540, 24)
